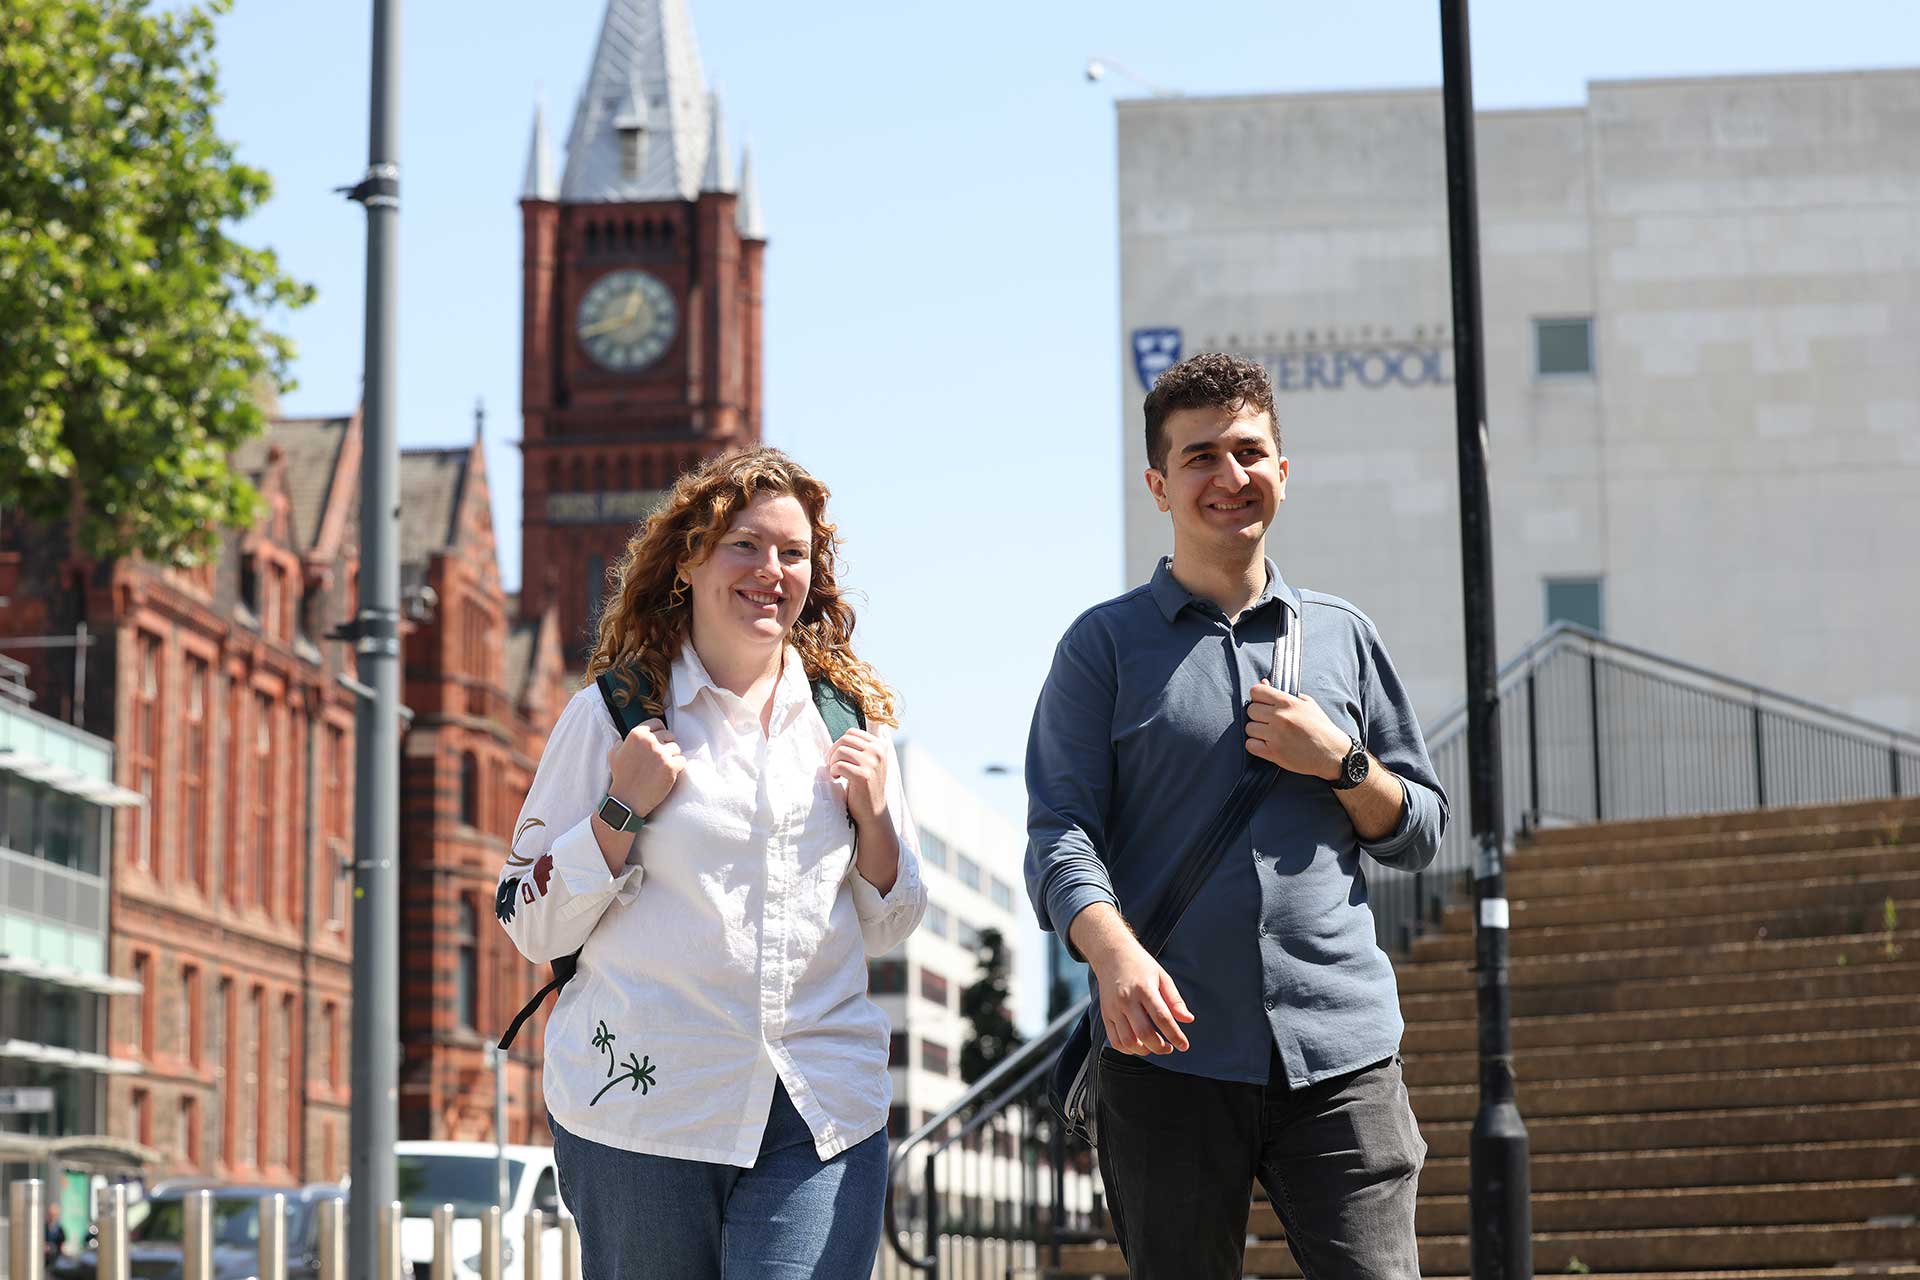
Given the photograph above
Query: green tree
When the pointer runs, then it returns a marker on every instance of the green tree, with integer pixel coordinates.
(984, 1006)
(136, 329)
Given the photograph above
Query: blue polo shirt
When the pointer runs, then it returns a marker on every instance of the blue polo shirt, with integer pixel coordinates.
(1137, 738)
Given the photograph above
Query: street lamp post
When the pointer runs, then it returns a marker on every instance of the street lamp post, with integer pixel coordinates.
(1501, 1231)
(375, 632)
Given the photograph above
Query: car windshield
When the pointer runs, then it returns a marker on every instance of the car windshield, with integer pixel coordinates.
(465, 1182)
(236, 1221)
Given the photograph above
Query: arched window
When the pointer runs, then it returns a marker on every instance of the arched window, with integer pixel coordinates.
(470, 789)
(593, 239)
(629, 233)
(466, 976)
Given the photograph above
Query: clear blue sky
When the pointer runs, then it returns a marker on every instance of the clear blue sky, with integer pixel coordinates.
(942, 340)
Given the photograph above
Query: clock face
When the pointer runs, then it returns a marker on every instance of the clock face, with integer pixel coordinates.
(626, 321)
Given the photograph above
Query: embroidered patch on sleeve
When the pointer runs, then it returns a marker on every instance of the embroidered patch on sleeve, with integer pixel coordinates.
(516, 859)
(636, 1072)
(503, 899)
(542, 873)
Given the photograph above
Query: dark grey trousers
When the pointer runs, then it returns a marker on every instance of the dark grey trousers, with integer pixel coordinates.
(1340, 1161)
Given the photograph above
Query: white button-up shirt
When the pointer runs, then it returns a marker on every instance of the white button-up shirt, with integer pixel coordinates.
(730, 950)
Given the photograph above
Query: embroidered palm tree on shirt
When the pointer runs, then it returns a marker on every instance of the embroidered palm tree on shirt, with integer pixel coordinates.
(636, 1072)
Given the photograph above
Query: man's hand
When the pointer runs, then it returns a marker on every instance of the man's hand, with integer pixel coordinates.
(1294, 733)
(1139, 1004)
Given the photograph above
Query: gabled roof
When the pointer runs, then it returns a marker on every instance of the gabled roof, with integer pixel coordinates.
(645, 71)
(431, 481)
(311, 450)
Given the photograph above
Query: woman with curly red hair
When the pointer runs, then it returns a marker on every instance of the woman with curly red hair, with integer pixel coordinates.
(716, 1077)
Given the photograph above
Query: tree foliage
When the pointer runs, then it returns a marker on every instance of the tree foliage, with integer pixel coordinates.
(984, 1005)
(137, 331)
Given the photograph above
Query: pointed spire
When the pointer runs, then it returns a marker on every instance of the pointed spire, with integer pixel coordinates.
(539, 184)
(715, 176)
(644, 104)
(479, 419)
(746, 215)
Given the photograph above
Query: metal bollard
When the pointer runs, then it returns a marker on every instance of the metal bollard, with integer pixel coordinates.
(113, 1235)
(196, 1253)
(569, 1248)
(24, 1218)
(490, 1268)
(442, 1242)
(533, 1256)
(331, 1242)
(391, 1260)
(273, 1237)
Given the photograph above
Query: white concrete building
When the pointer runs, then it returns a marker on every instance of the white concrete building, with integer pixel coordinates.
(972, 859)
(1701, 306)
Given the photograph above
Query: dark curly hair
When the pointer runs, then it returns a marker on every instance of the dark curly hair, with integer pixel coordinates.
(1211, 380)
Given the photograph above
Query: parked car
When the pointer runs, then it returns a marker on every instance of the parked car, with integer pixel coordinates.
(464, 1174)
(155, 1235)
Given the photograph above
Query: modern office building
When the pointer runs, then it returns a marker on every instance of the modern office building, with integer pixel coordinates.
(57, 801)
(1703, 397)
(971, 857)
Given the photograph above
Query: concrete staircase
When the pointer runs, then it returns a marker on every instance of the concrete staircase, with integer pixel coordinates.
(1717, 1023)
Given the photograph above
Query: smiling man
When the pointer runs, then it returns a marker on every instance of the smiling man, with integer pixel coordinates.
(1262, 1042)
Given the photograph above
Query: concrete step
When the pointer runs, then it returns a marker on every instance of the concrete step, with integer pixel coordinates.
(1679, 1057)
(1671, 850)
(1837, 982)
(1754, 956)
(1701, 1091)
(1804, 920)
(1591, 1171)
(1721, 1127)
(1783, 1204)
(1681, 874)
(1457, 1033)
(1733, 821)
(1869, 891)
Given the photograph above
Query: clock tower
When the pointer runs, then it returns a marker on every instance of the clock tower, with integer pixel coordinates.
(640, 351)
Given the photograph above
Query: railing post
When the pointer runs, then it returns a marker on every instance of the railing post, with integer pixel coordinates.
(490, 1261)
(273, 1237)
(331, 1246)
(24, 1216)
(196, 1236)
(1593, 714)
(389, 1259)
(1759, 760)
(569, 1248)
(933, 1218)
(442, 1268)
(533, 1259)
(1533, 761)
(1893, 770)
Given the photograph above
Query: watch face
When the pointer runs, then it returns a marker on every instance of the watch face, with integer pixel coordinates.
(627, 320)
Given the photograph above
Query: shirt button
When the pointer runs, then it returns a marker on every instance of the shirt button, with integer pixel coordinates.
(1269, 1006)
(1263, 929)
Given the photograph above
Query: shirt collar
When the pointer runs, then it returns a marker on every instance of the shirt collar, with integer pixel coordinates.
(690, 677)
(1172, 597)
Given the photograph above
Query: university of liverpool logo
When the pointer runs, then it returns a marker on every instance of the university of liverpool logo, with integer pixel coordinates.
(1154, 352)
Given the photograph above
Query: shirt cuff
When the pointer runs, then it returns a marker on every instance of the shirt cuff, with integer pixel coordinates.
(1403, 831)
(582, 868)
(872, 905)
(1065, 906)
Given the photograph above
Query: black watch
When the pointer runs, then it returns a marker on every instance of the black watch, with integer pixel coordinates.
(1353, 767)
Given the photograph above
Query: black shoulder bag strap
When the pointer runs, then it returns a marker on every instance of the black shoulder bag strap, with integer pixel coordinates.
(840, 711)
(1070, 1087)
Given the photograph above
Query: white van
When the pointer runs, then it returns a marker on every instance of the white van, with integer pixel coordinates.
(463, 1174)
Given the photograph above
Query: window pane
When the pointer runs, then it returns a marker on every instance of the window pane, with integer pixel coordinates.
(1563, 346)
(936, 921)
(969, 871)
(933, 849)
(1002, 895)
(1575, 600)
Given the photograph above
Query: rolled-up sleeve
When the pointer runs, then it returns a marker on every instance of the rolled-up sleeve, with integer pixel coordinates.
(555, 885)
(1069, 783)
(1393, 736)
(887, 918)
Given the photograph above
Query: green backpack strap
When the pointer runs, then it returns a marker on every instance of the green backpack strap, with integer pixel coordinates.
(631, 714)
(840, 711)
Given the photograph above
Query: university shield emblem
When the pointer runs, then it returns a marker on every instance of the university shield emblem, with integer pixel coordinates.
(1154, 352)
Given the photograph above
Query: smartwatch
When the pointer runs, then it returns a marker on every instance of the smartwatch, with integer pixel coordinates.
(618, 816)
(1353, 766)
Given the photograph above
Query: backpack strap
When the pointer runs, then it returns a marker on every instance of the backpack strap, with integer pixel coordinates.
(841, 711)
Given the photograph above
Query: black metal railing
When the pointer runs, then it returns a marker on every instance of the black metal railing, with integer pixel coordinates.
(1594, 730)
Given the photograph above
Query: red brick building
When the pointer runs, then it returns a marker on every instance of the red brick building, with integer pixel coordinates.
(231, 891)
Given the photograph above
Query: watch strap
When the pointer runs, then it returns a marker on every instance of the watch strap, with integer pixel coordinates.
(1347, 781)
(629, 820)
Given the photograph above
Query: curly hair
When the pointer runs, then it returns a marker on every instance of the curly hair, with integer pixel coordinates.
(1210, 380)
(648, 615)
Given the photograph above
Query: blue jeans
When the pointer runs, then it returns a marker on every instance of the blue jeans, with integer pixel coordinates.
(790, 1217)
